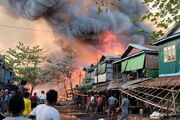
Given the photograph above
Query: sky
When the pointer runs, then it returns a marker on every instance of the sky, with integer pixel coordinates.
(11, 32)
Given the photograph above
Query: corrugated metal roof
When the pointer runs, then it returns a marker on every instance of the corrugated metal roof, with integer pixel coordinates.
(163, 81)
(166, 39)
(141, 47)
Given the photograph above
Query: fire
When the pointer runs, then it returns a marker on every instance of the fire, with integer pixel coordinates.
(110, 43)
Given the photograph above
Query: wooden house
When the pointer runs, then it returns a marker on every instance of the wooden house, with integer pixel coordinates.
(89, 74)
(138, 61)
(169, 53)
(104, 71)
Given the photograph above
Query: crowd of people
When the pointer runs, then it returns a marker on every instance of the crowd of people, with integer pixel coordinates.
(100, 104)
(20, 105)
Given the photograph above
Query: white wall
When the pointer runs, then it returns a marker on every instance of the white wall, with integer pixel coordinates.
(101, 78)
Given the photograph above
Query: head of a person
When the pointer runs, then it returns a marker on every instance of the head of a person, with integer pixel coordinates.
(51, 97)
(35, 94)
(26, 95)
(42, 92)
(16, 105)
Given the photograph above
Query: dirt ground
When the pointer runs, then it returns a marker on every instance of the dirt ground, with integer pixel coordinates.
(71, 112)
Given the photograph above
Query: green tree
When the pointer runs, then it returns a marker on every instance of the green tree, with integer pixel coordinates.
(163, 13)
(25, 62)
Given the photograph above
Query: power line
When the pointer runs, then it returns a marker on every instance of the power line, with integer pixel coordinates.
(26, 29)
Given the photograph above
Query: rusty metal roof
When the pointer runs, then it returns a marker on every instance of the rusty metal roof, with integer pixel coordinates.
(163, 81)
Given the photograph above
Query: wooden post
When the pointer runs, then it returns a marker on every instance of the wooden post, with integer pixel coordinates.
(80, 75)
(174, 101)
(97, 72)
(119, 98)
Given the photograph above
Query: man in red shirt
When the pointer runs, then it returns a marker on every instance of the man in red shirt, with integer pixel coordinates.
(100, 101)
(34, 100)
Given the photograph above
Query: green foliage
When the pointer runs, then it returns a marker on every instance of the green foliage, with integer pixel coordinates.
(161, 12)
(25, 62)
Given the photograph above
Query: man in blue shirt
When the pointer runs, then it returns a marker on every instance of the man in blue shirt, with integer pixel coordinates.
(124, 107)
(112, 105)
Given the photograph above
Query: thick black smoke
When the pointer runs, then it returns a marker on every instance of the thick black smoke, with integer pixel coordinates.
(78, 19)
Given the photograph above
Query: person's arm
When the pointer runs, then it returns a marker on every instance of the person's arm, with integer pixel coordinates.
(32, 115)
(116, 100)
(122, 103)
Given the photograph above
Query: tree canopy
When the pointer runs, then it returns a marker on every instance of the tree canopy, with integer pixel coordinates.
(25, 62)
(161, 12)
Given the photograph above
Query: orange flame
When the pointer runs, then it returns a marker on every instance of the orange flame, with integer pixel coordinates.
(110, 43)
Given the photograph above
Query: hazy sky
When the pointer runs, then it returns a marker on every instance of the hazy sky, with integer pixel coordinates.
(10, 36)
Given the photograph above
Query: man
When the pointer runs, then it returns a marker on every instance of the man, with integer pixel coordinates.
(92, 103)
(34, 100)
(100, 102)
(47, 111)
(88, 101)
(78, 101)
(6, 99)
(16, 108)
(42, 98)
(124, 107)
(112, 105)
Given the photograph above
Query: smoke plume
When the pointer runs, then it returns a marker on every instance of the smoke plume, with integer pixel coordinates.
(78, 19)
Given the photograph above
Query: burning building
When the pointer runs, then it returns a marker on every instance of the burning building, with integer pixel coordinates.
(77, 20)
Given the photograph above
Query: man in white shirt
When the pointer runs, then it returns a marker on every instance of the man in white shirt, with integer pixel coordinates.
(47, 111)
(42, 98)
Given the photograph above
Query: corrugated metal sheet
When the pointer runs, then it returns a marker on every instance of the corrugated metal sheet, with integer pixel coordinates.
(164, 81)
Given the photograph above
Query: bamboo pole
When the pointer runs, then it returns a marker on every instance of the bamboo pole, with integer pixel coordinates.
(145, 101)
(174, 100)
